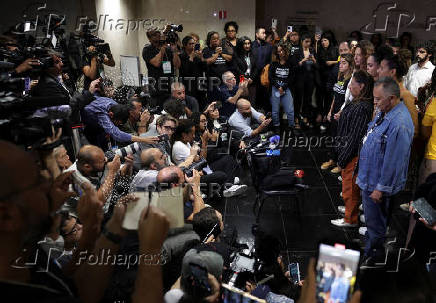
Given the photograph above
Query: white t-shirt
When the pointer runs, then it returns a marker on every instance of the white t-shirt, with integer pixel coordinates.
(173, 295)
(180, 152)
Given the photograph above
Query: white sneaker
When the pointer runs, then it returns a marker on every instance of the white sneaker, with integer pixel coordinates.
(405, 207)
(340, 194)
(342, 223)
(340, 178)
(236, 181)
(362, 219)
(234, 190)
(341, 209)
(361, 207)
(362, 230)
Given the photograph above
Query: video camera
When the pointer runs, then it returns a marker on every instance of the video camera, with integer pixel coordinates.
(101, 47)
(171, 35)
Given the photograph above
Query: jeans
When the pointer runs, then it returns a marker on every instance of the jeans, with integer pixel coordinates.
(376, 219)
(287, 103)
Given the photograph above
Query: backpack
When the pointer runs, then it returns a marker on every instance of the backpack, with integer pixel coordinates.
(264, 76)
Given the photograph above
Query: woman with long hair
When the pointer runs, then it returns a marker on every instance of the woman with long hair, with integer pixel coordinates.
(327, 57)
(192, 66)
(305, 84)
(245, 65)
(351, 129)
(280, 74)
(363, 50)
(346, 66)
(218, 59)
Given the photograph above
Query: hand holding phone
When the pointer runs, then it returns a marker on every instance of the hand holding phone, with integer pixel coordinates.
(425, 211)
(197, 47)
(294, 271)
(290, 28)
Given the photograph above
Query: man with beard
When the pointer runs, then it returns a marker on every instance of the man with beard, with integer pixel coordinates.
(28, 202)
(420, 73)
(262, 52)
(92, 164)
(241, 119)
(190, 103)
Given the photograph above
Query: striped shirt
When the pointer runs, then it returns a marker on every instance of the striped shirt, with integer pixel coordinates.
(353, 124)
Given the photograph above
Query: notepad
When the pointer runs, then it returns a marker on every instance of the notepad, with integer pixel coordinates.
(169, 201)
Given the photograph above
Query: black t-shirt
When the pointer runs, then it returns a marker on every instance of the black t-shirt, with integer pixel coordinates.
(339, 90)
(148, 53)
(220, 66)
(100, 70)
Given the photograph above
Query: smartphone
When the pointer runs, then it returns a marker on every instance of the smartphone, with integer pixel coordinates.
(425, 211)
(294, 270)
(274, 23)
(199, 279)
(336, 272)
(197, 47)
(290, 28)
(241, 78)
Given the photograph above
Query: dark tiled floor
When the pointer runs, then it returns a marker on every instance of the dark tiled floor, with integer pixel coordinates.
(299, 235)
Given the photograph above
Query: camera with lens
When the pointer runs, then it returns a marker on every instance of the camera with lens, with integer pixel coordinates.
(196, 165)
(171, 35)
(123, 152)
(163, 137)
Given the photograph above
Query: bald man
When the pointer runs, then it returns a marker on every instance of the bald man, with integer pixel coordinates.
(241, 119)
(91, 164)
(152, 160)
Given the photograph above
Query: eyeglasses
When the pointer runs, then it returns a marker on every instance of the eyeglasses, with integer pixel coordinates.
(73, 230)
(203, 121)
(231, 31)
(169, 128)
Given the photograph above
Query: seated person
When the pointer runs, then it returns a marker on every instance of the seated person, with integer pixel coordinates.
(103, 116)
(190, 103)
(174, 176)
(165, 125)
(218, 172)
(61, 157)
(241, 119)
(91, 164)
(188, 288)
(138, 119)
(71, 231)
(152, 160)
(229, 93)
(171, 107)
(212, 114)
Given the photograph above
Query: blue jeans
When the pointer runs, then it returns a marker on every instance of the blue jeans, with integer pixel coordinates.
(376, 219)
(287, 103)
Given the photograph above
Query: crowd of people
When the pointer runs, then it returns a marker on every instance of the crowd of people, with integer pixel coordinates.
(64, 208)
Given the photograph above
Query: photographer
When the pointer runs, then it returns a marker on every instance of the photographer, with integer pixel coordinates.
(103, 116)
(93, 63)
(164, 128)
(26, 205)
(162, 59)
(138, 120)
(241, 119)
(50, 83)
(219, 172)
(192, 68)
(93, 165)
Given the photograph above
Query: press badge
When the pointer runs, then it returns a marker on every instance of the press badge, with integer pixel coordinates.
(166, 65)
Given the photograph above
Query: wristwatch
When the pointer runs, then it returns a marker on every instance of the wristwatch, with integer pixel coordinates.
(114, 238)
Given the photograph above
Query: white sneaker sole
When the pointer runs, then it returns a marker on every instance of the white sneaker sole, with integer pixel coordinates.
(240, 190)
